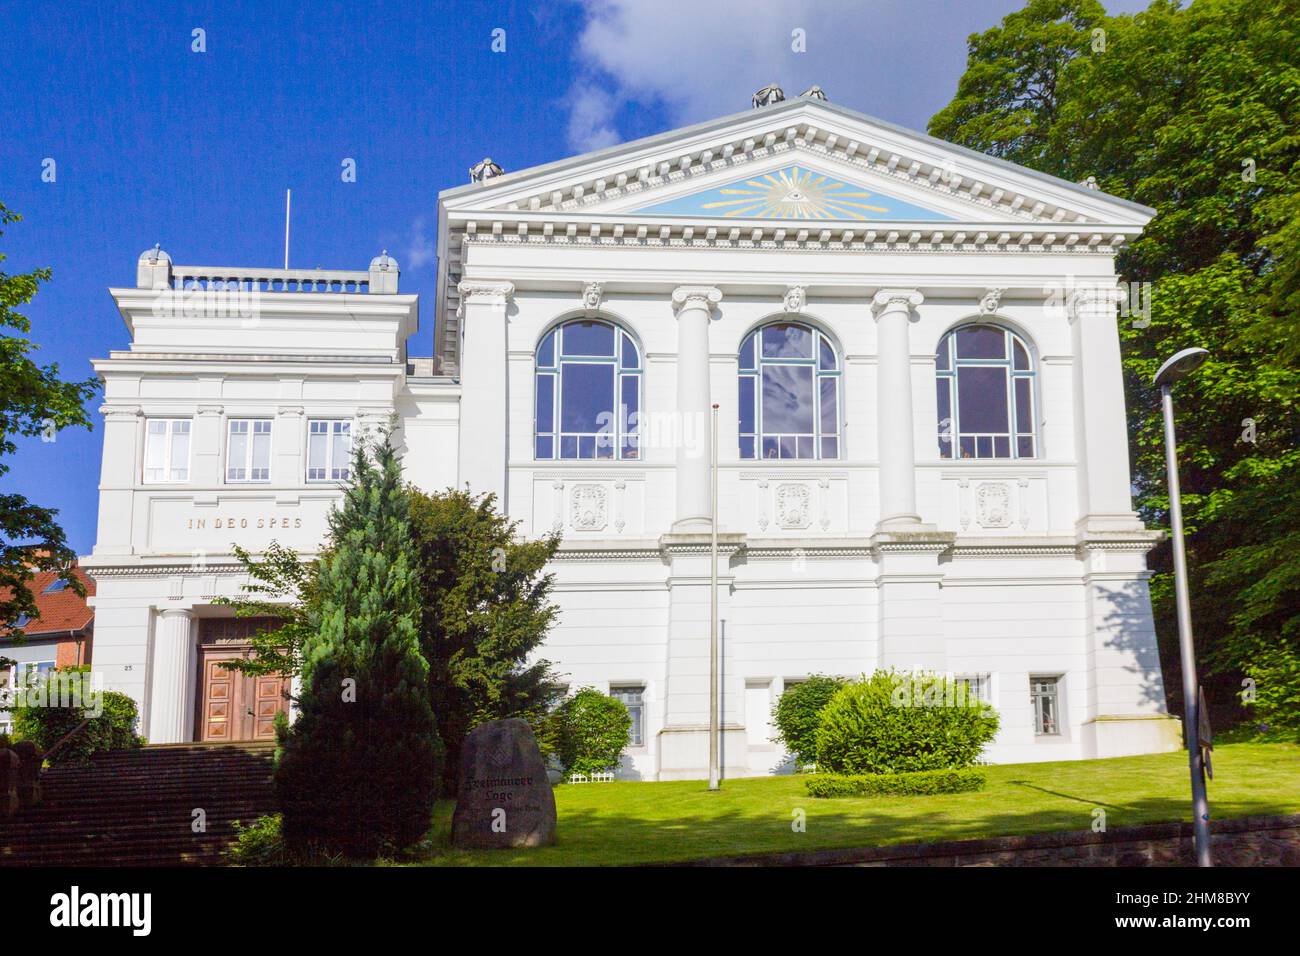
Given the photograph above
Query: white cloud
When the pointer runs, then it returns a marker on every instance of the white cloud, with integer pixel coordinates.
(700, 59)
(419, 249)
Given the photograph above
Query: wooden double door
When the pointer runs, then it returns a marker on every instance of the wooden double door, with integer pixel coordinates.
(234, 706)
(231, 706)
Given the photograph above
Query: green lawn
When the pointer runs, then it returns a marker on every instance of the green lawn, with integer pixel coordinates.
(621, 823)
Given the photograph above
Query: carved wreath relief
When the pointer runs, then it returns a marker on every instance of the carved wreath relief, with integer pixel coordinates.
(993, 505)
(793, 506)
(588, 508)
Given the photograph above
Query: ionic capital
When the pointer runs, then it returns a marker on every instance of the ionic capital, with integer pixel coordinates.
(896, 300)
(696, 297)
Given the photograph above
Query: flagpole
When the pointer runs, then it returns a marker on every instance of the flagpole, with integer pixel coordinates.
(286, 228)
(714, 775)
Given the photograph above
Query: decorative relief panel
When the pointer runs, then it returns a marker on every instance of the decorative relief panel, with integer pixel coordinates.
(588, 508)
(993, 505)
(793, 506)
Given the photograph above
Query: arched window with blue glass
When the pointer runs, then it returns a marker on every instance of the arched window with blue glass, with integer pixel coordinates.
(789, 393)
(985, 394)
(588, 392)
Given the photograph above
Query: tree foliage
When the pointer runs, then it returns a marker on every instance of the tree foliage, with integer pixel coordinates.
(588, 732)
(359, 769)
(485, 612)
(798, 714)
(1192, 111)
(34, 401)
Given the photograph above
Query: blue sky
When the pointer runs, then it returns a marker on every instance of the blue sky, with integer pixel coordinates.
(153, 142)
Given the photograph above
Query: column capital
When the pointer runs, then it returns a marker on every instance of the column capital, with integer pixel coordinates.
(482, 292)
(171, 613)
(1098, 297)
(896, 300)
(121, 412)
(696, 297)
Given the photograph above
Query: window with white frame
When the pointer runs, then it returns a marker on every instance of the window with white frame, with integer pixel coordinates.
(789, 393)
(587, 396)
(248, 450)
(984, 381)
(633, 700)
(167, 449)
(329, 449)
(977, 687)
(1045, 695)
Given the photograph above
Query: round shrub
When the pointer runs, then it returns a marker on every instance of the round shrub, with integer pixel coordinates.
(589, 732)
(898, 723)
(52, 705)
(798, 714)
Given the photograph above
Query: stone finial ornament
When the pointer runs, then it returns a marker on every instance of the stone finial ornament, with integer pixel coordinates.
(482, 171)
(768, 96)
(813, 92)
(154, 269)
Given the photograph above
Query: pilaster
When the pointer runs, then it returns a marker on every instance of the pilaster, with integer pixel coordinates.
(484, 400)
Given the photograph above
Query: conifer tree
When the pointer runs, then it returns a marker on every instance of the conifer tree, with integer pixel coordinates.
(359, 769)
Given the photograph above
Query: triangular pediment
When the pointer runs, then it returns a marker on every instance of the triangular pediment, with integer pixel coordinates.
(689, 174)
(795, 191)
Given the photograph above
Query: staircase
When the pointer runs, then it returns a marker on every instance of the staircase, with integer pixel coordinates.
(136, 807)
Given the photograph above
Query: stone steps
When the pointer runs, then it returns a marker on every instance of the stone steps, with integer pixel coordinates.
(135, 807)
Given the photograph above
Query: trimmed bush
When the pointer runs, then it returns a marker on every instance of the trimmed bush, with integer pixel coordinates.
(52, 706)
(922, 783)
(588, 732)
(798, 713)
(893, 722)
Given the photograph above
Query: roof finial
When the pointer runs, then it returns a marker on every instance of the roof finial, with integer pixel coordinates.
(768, 95)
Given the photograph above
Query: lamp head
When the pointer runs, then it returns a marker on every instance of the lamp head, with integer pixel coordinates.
(1179, 366)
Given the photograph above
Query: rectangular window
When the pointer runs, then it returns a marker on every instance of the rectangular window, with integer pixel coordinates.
(329, 449)
(977, 687)
(632, 699)
(167, 450)
(1044, 694)
(248, 451)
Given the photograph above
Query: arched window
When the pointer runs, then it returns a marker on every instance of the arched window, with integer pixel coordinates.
(588, 392)
(985, 390)
(789, 393)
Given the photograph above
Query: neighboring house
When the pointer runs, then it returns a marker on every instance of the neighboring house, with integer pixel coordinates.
(922, 453)
(59, 636)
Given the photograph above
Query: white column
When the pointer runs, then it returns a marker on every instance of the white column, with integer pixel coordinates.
(694, 446)
(484, 393)
(1101, 434)
(171, 700)
(206, 442)
(896, 439)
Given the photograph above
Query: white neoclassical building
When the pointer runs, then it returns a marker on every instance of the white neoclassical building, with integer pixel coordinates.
(922, 456)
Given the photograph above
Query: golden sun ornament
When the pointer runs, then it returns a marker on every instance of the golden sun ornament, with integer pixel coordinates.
(795, 193)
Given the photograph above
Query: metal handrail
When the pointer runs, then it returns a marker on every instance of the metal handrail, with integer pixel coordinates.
(64, 739)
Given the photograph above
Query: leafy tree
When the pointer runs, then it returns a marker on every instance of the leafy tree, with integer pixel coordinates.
(798, 714)
(589, 732)
(486, 610)
(359, 769)
(33, 401)
(1192, 111)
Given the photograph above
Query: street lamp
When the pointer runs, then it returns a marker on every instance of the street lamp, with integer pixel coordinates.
(1178, 367)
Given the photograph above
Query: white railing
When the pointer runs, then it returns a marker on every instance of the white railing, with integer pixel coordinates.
(213, 278)
(590, 778)
(155, 270)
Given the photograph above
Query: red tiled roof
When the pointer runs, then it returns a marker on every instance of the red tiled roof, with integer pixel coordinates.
(62, 610)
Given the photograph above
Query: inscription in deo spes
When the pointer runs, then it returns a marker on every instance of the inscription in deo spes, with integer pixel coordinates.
(228, 524)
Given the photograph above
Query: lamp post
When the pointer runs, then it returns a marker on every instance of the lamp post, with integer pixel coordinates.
(1178, 367)
(714, 775)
